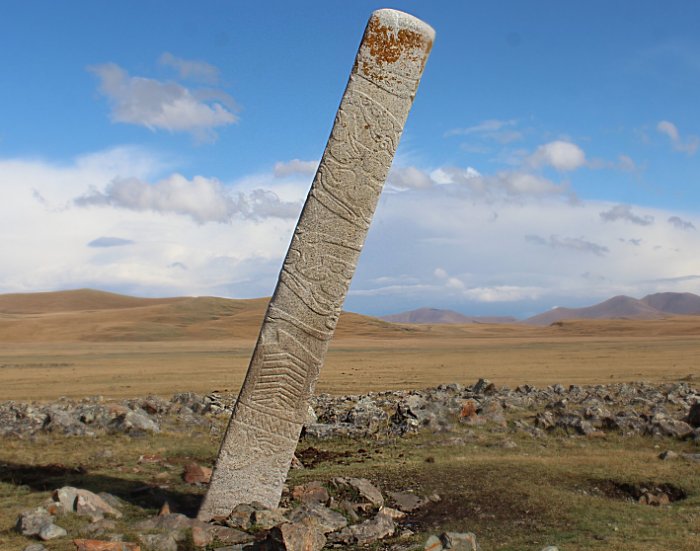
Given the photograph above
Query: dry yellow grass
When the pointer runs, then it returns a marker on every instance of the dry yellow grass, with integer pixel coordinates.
(88, 343)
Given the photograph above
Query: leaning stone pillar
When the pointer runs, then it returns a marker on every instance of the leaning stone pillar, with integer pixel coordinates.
(264, 428)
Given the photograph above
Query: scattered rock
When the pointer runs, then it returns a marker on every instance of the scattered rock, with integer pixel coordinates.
(268, 518)
(460, 541)
(664, 410)
(51, 532)
(241, 516)
(326, 519)
(83, 502)
(174, 522)
(159, 542)
(693, 418)
(196, 474)
(468, 410)
(31, 522)
(296, 536)
(97, 545)
(406, 502)
(376, 528)
(668, 454)
(34, 547)
(363, 487)
(134, 422)
(313, 492)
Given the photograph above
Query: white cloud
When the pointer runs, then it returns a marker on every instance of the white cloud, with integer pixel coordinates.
(561, 155)
(200, 71)
(578, 244)
(295, 166)
(203, 199)
(502, 293)
(689, 145)
(163, 105)
(626, 163)
(162, 252)
(504, 185)
(625, 213)
(409, 177)
(678, 222)
(439, 246)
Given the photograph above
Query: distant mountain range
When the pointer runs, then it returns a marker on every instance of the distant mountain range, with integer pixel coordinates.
(656, 306)
(435, 315)
(97, 316)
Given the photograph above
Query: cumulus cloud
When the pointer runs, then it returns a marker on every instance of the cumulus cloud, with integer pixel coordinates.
(163, 105)
(561, 155)
(295, 166)
(439, 246)
(678, 222)
(110, 242)
(625, 213)
(202, 199)
(688, 145)
(187, 69)
(409, 177)
(578, 244)
(507, 185)
(502, 293)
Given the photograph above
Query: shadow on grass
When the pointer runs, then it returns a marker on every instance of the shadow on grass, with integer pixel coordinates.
(52, 476)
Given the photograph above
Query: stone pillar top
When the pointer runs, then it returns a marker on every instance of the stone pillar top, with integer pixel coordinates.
(394, 51)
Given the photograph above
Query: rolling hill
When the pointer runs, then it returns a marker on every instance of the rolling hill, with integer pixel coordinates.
(97, 316)
(436, 315)
(651, 307)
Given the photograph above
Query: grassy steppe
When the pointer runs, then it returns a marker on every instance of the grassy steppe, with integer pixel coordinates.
(90, 343)
(556, 490)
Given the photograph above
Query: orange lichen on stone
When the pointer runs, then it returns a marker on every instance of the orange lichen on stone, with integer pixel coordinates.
(386, 46)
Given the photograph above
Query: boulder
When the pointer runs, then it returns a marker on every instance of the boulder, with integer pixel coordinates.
(376, 528)
(134, 422)
(459, 541)
(693, 417)
(51, 532)
(363, 487)
(326, 519)
(97, 545)
(265, 519)
(30, 523)
(196, 474)
(313, 492)
(304, 535)
(406, 502)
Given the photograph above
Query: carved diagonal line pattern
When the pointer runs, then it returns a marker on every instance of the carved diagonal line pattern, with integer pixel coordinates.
(276, 314)
(249, 417)
(282, 377)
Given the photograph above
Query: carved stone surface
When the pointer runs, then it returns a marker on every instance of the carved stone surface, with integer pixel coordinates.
(264, 428)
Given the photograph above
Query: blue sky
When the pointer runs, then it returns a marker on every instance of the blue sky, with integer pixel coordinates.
(551, 157)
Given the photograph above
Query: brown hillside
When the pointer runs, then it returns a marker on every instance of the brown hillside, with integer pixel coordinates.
(95, 316)
(674, 303)
(71, 301)
(620, 307)
(436, 315)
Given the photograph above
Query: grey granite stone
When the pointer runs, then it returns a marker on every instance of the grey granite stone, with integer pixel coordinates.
(259, 444)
